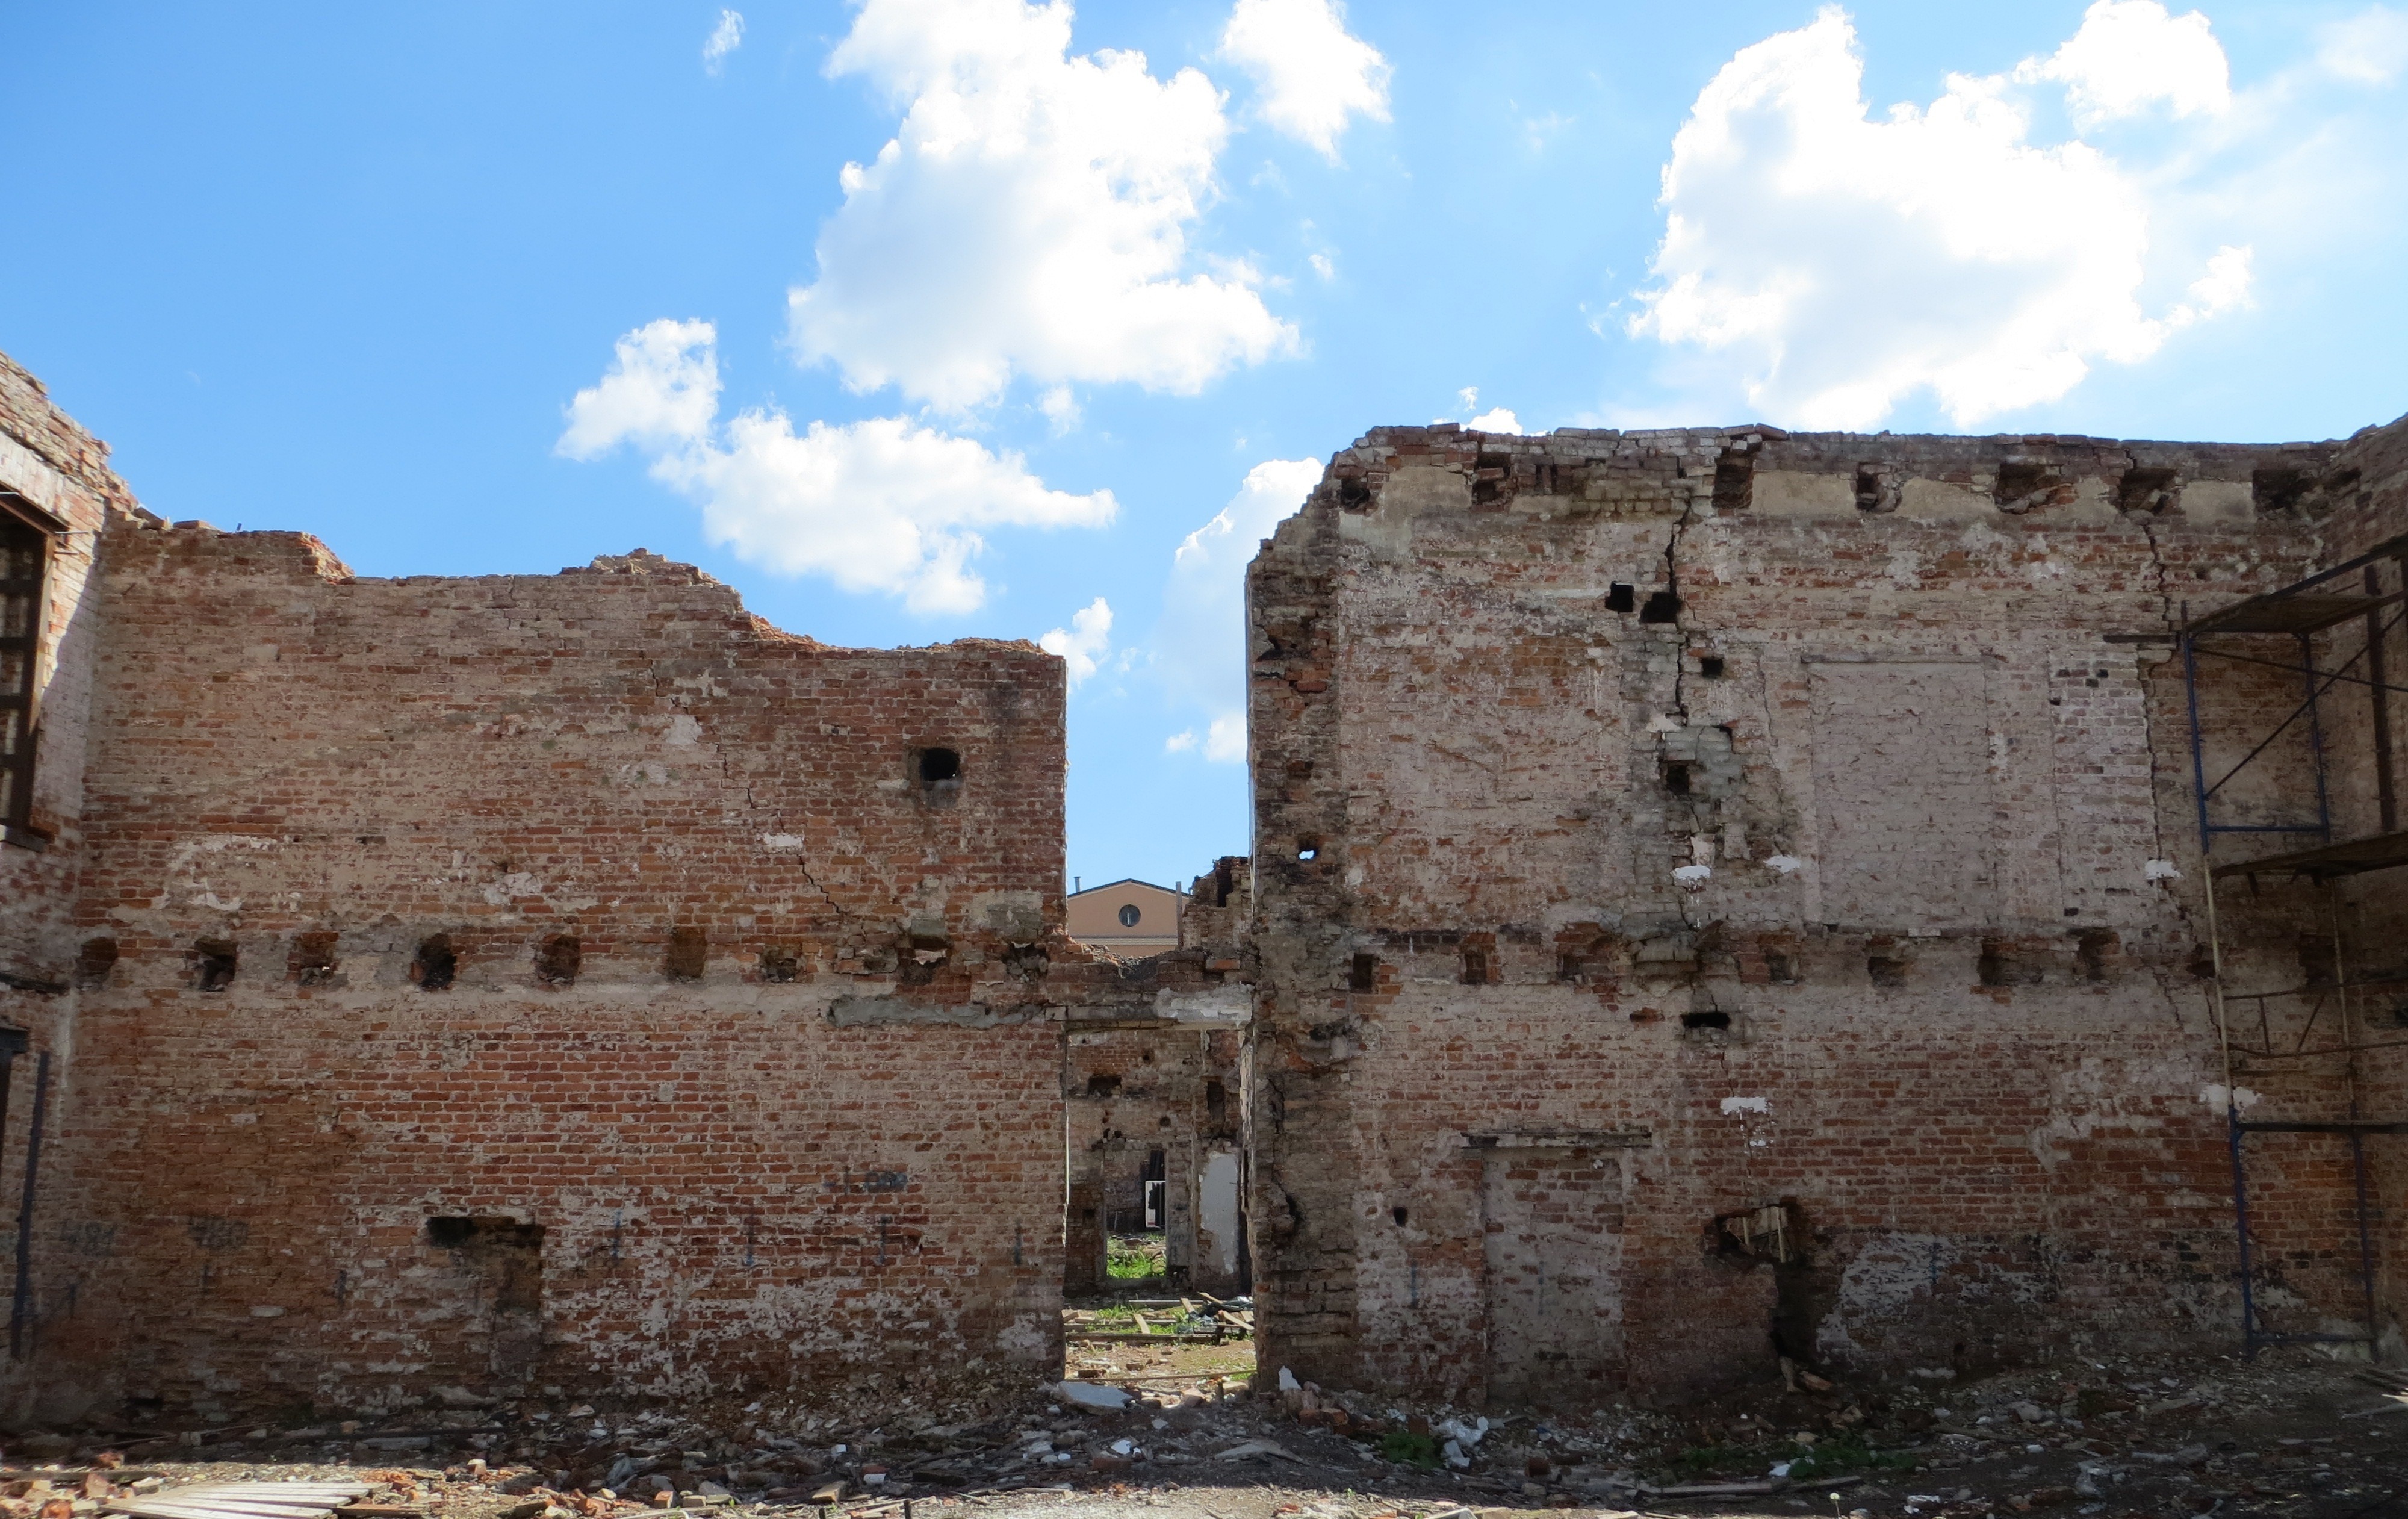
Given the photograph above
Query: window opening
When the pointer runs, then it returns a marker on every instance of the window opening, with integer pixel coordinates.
(93, 962)
(24, 551)
(313, 957)
(1129, 914)
(214, 962)
(556, 963)
(938, 767)
(435, 963)
(1157, 1189)
(689, 951)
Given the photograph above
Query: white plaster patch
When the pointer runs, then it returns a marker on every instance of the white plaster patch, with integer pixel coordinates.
(1784, 865)
(1216, 1214)
(1663, 722)
(515, 884)
(2161, 870)
(2220, 1099)
(1746, 1105)
(684, 732)
(782, 841)
(1229, 1005)
(1693, 877)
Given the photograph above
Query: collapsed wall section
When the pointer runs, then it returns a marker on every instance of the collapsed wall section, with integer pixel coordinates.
(1153, 1093)
(1727, 894)
(548, 981)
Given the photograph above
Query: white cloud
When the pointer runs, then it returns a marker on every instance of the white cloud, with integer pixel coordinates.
(662, 388)
(883, 504)
(1199, 645)
(1224, 742)
(1323, 265)
(1312, 73)
(1061, 408)
(1495, 420)
(1179, 742)
(1838, 262)
(1029, 216)
(2369, 48)
(2130, 55)
(1084, 642)
(724, 38)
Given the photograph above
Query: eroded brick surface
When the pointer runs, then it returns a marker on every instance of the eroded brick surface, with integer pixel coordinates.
(1652, 829)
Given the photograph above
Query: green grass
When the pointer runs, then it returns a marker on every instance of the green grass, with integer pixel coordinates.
(1837, 1453)
(1133, 1258)
(1830, 1457)
(1411, 1449)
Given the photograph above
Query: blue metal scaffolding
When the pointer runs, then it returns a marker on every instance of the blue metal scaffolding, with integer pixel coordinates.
(2296, 614)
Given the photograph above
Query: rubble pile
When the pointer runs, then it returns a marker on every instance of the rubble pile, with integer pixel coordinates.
(2300, 1435)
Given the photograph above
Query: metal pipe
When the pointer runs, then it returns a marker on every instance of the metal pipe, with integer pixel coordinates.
(2241, 1216)
(2197, 758)
(2387, 797)
(20, 1309)
(2316, 732)
(2365, 1235)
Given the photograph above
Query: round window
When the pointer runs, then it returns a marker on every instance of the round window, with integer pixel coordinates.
(1129, 915)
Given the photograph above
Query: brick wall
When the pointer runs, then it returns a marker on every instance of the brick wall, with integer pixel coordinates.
(1654, 828)
(587, 905)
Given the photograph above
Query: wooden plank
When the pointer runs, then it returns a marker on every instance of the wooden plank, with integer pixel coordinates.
(206, 1508)
(265, 1507)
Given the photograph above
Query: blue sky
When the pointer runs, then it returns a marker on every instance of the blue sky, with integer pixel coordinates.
(480, 289)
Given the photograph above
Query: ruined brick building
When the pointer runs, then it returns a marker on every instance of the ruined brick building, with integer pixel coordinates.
(1154, 1088)
(1725, 893)
(441, 987)
(1714, 894)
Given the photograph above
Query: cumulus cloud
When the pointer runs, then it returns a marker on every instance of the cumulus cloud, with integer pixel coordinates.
(884, 505)
(724, 38)
(1030, 216)
(1225, 741)
(1839, 263)
(1311, 73)
(2369, 48)
(661, 389)
(1084, 642)
(1200, 646)
(1495, 420)
(2130, 55)
(1179, 742)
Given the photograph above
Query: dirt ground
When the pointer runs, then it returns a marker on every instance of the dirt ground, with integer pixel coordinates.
(2291, 1434)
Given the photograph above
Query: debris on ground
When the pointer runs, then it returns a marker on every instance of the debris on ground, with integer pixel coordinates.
(2289, 1433)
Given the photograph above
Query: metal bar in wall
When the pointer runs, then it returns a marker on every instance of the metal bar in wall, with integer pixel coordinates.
(2240, 1217)
(2387, 797)
(2365, 1233)
(20, 1304)
(2340, 677)
(2315, 731)
(2198, 754)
